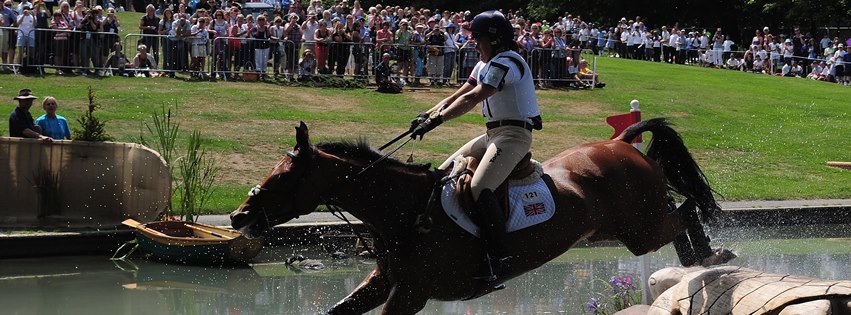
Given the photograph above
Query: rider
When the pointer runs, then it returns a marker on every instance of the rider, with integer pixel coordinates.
(502, 82)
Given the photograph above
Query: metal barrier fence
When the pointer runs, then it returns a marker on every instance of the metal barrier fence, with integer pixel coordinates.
(551, 66)
(8, 42)
(232, 57)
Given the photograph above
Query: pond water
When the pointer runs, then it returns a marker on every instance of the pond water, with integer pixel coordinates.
(96, 285)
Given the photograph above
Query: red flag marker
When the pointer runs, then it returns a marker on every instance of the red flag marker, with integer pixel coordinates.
(621, 122)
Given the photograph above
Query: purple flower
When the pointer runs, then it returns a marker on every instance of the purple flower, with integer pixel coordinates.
(593, 306)
(626, 281)
(615, 282)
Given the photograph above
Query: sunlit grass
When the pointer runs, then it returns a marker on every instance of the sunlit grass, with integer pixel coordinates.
(756, 136)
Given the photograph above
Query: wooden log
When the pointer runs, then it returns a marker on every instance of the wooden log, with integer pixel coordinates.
(737, 290)
(845, 165)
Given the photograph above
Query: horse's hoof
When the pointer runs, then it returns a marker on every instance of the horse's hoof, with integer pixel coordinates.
(721, 256)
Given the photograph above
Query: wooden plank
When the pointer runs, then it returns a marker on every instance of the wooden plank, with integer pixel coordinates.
(207, 232)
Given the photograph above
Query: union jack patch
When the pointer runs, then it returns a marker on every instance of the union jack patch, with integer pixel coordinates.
(534, 209)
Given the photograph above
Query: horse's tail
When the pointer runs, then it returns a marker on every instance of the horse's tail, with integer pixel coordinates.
(683, 175)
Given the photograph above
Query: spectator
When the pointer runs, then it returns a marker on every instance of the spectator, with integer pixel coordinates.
(307, 65)
(182, 34)
(815, 73)
(840, 68)
(733, 63)
(88, 50)
(383, 39)
(219, 28)
(21, 121)
(796, 70)
(111, 25)
(403, 50)
(26, 32)
(276, 39)
(294, 36)
(198, 52)
(382, 76)
(435, 40)
(758, 64)
(846, 58)
(51, 124)
(235, 42)
(727, 47)
(261, 37)
(60, 42)
(360, 50)
(309, 28)
(148, 24)
(586, 74)
(322, 37)
(8, 37)
(449, 51)
(117, 61)
(144, 63)
(339, 50)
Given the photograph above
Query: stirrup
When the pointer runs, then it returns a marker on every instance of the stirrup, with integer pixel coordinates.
(496, 268)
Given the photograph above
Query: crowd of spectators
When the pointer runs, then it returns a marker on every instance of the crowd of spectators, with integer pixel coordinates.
(301, 40)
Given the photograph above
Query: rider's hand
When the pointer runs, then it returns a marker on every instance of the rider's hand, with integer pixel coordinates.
(421, 118)
(430, 123)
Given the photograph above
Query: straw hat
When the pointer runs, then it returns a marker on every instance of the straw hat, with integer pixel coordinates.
(25, 94)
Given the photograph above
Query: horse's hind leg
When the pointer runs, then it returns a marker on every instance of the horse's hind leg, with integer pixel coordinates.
(692, 245)
(371, 293)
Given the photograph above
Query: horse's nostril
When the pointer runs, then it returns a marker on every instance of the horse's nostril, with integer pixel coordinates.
(238, 219)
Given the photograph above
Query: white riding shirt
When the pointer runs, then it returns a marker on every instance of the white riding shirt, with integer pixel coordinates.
(509, 74)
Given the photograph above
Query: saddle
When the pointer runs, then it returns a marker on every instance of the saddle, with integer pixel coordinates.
(464, 192)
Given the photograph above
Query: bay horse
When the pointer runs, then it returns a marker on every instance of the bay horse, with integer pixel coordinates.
(604, 190)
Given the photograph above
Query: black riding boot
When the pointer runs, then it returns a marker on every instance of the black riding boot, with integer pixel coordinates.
(493, 233)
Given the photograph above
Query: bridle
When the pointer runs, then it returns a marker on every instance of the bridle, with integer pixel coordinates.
(336, 211)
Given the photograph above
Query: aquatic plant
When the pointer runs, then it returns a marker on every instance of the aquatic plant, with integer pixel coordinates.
(194, 173)
(622, 292)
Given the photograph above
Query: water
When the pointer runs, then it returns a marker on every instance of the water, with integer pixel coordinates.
(95, 285)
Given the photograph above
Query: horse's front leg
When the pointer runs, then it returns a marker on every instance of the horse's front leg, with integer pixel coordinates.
(371, 293)
(405, 298)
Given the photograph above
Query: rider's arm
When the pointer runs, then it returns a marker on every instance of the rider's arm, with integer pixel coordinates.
(467, 101)
(467, 87)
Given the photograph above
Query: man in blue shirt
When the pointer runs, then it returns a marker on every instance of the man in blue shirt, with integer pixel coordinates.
(53, 125)
(21, 121)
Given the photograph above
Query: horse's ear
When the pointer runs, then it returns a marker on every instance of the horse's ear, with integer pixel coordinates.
(302, 139)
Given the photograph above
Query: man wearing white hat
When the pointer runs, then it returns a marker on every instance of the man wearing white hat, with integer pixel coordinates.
(21, 122)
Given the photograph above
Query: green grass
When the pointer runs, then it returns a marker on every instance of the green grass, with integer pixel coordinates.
(756, 137)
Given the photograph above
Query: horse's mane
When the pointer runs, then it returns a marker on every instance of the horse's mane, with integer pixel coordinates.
(363, 152)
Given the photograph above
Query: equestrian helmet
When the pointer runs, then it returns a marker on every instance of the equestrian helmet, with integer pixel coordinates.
(493, 25)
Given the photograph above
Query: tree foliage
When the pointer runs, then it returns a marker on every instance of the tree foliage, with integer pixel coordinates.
(737, 17)
(92, 128)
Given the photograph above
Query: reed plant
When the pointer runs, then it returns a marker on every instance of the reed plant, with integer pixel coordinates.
(195, 172)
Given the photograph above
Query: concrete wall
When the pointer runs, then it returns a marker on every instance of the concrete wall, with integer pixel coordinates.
(97, 184)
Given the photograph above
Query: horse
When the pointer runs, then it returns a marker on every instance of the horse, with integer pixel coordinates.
(603, 191)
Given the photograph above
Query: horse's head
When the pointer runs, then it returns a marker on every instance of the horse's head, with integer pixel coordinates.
(289, 191)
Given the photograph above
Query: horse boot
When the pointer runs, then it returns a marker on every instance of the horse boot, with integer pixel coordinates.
(492, 231)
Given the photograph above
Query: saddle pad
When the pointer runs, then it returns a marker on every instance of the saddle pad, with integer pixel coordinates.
(530, 204)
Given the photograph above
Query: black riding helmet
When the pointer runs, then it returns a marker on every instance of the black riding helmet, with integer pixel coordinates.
(493, 25)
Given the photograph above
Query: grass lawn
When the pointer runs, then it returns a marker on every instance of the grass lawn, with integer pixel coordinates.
(756, 136)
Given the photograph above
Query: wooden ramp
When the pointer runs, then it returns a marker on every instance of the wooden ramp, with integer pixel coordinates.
(737, 290)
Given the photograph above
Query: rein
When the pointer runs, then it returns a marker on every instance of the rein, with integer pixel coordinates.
(338, 213)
